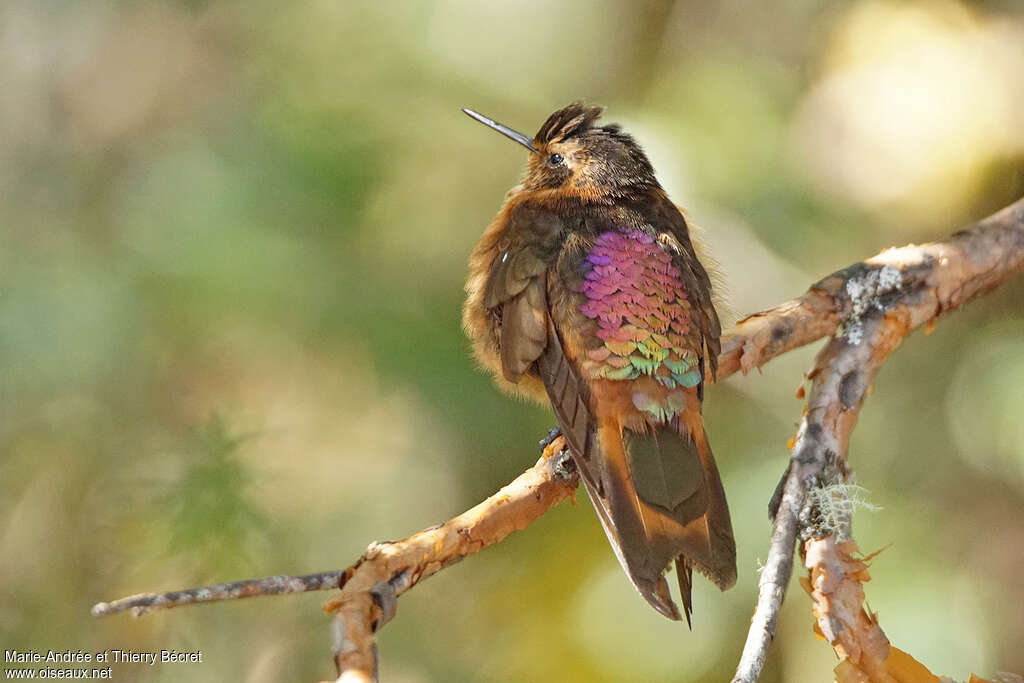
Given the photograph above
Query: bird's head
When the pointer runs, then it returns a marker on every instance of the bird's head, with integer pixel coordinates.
(572, 155)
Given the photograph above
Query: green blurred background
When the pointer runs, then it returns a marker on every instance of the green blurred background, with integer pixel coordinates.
(233, 238)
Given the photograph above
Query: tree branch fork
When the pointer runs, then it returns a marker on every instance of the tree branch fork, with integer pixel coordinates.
(866, 310)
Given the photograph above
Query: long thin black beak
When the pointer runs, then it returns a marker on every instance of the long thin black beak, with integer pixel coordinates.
(503, 129)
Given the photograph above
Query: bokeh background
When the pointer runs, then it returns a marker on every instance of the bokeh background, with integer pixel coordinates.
(233, 238)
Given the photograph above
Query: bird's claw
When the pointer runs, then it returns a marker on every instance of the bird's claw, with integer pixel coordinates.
(553, 434)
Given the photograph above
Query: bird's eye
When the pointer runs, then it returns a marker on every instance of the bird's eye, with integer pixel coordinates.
(555, 159)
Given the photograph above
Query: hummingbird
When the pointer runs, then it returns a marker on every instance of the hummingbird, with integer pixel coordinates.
(586, 291)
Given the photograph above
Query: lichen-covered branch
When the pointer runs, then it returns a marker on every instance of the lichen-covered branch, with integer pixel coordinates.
(842, 372)
(876, 304)
(939, 275)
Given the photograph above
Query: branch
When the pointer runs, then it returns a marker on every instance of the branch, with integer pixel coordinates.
(529, 496)
(370, 591)
(872, 304)
(835, 588)
(879, 301)
(970, 263)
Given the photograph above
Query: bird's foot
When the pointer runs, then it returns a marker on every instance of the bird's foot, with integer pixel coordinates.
(553, 434)
(565, 467)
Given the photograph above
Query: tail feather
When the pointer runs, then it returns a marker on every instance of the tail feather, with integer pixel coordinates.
(660, 499)
(684, 574)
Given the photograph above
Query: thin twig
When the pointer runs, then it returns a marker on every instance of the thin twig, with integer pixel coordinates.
(774, 579)
(272, 585)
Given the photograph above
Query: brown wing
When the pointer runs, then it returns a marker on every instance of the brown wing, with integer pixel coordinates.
(516, 287)
(602, 469)
(570, 398)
